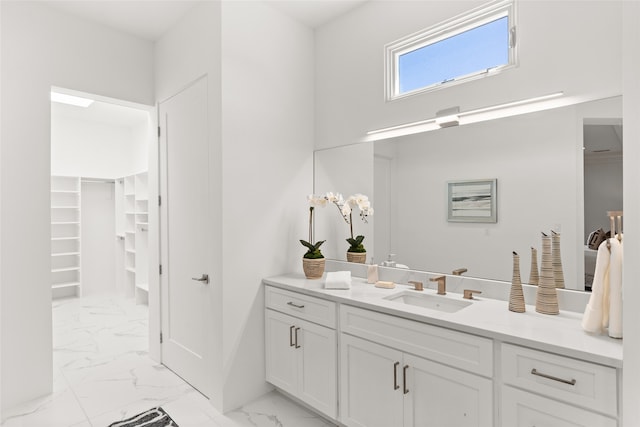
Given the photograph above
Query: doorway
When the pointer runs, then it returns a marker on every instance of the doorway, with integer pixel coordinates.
(100, 233)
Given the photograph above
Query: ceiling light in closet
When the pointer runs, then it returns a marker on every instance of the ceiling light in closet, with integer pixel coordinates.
(63, 98)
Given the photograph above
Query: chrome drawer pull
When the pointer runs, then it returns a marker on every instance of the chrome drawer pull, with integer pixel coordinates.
(295, 305)
(551, 377)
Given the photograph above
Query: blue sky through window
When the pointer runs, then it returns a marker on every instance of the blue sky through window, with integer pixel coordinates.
(474, 50)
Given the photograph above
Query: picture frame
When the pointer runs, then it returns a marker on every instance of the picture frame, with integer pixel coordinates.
(472, 200)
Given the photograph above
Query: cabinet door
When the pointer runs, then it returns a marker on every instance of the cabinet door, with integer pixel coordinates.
(370, 384)
(523, 409)
(317, 368)
(440, 396)
(281, 356)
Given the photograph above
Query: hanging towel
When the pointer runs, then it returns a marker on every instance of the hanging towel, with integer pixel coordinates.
(604, 309)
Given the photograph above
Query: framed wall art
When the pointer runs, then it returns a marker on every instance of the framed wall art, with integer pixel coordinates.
(472, 200)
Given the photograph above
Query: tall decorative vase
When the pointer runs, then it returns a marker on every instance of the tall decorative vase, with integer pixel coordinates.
(558, 275)
(534, 278)
(546, 295)
(516, 297)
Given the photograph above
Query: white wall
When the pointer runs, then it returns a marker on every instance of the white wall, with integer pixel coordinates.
(563, 45)
(267, 137)
(98, 228)
(603, 191)
(40, 48)
(97, 150)
(631, 144)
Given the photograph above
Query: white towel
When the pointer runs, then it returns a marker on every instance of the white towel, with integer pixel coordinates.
(605, 304)
(338, 280)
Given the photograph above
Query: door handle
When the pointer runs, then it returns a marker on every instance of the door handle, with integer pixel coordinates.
(404, 379)
(204, 279)
(291, 344)
(296, 334)
(395, 376)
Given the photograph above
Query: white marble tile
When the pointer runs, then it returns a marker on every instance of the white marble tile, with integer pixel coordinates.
(272, 410)
(103, 373)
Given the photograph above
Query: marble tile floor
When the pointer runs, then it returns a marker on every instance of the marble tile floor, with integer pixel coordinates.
(102, 373)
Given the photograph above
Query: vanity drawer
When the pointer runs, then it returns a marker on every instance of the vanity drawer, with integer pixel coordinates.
(562, 378)
(305, 307)
(457, 349)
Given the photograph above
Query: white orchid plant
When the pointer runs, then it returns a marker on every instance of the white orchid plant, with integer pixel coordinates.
(313, 249)
(346, 208)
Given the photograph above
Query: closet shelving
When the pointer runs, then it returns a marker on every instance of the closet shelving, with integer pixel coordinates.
(132, 227)
(65, 236)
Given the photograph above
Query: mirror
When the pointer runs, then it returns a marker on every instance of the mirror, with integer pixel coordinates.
(536, 158)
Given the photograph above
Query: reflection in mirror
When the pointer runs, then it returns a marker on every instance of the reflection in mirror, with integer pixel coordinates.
(536, 158)
(602, 181)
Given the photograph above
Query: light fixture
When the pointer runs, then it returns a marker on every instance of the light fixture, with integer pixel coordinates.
(453, 117)
(63, 98)
(448, 117)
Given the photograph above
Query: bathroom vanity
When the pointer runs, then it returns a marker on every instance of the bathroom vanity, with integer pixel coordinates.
(397, 357)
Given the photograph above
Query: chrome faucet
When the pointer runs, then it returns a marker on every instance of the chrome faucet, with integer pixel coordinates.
(442, 284)
(389, 262)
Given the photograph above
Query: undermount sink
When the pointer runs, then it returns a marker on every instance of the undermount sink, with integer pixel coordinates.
(430, 301)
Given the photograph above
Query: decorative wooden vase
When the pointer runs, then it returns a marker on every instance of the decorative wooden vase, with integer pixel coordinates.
(546, 295)
(558, 275)
(313, 267)
(359, 257)
(534, 278)
(516, 297)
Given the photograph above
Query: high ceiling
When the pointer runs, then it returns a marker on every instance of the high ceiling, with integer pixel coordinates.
(150, 19)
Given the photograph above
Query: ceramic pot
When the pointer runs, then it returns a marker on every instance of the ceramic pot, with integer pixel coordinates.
(546, 295)
(313, 268)
(359, 257)
(516, 297)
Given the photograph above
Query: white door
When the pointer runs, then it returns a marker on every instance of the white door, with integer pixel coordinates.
(317, 367)
(440, 396)
(184, 215)
(370, 384)
(281, 356)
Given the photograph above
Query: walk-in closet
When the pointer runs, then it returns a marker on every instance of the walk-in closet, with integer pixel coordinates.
(99, 199)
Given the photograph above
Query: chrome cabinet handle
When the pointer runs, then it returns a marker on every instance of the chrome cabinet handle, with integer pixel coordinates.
(295, 305)
(404, 379)
(204, 279)
(291, 344)
(297, 329)
(395, 376)
(534, 371)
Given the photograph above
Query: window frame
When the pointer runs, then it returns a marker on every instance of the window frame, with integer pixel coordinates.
(444, 30)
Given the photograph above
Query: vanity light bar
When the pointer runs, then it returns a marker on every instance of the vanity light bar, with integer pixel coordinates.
(438, 122)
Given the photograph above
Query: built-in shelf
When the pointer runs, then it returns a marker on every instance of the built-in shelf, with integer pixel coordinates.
(130, 251)
(65, 285)
(60, 270)
(65, 235)
(143, 286)
(66, 254)
(131, 270)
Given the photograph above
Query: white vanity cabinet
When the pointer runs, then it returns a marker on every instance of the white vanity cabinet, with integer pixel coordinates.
(398, 372)
(547, 389)
(301, 348)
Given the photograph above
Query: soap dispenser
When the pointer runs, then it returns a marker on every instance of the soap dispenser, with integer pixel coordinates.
(372, 272)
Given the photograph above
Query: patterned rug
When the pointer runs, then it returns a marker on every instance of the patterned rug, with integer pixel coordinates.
(155, 417)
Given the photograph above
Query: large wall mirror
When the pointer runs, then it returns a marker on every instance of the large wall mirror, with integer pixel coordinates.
(558, 169)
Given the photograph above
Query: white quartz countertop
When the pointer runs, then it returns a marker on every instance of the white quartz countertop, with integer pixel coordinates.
(490, 318)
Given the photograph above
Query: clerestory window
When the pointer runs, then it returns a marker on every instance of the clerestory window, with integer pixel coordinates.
(470, 46)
